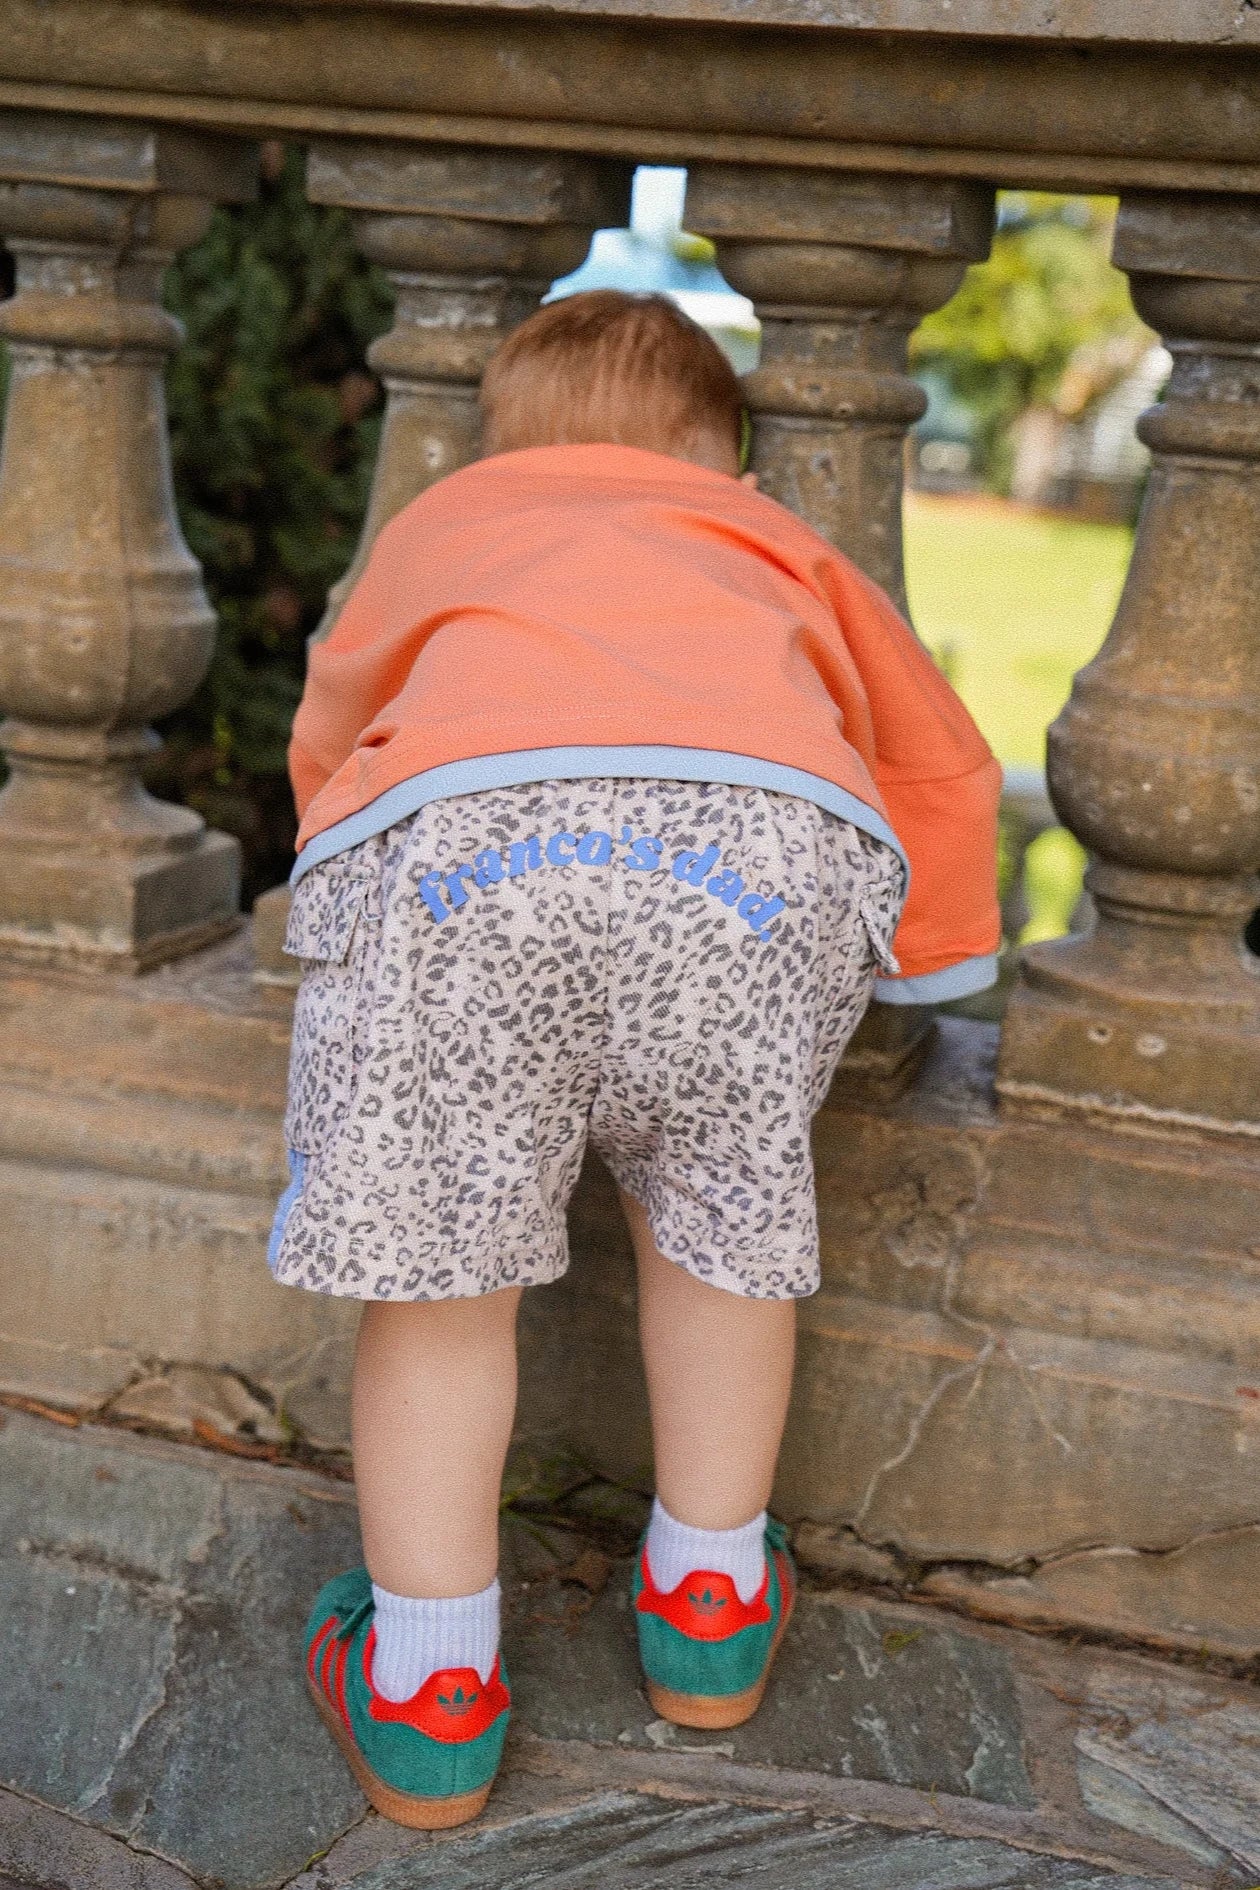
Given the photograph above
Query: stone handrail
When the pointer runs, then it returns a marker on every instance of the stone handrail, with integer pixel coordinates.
(844, 160)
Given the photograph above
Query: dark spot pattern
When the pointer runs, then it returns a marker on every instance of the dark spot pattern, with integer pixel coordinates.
(445, 1077)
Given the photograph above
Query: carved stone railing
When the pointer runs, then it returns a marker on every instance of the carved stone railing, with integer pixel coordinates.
(471, 240)
(477, 147)
(1037, 1286)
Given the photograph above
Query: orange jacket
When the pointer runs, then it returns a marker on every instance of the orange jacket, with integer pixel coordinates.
(599, 610)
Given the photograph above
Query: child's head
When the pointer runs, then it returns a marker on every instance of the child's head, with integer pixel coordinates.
(630, 370)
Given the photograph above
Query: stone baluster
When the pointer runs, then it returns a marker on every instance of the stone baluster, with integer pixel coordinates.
(841, 267)
(1155, 762)
(471, 240)
(104, 624)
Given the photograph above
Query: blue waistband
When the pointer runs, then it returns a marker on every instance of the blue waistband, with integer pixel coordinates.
(647, 763)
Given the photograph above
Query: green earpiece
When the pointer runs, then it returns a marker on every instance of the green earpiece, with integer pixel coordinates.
(745, 439)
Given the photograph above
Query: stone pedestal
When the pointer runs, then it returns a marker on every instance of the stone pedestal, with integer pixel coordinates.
(1155, 762)
(104, 624)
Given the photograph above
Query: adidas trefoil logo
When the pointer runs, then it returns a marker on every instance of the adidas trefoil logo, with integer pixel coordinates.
(707, 1602)
(458, 1703)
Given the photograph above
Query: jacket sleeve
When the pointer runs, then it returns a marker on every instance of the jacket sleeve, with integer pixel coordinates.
(307, 773)
(940, 786)
(950, 929)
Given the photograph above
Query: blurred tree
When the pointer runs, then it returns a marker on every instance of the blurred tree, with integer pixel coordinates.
(1045, 324)
(273, 434)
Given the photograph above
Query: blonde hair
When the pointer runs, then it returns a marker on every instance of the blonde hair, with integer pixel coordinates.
(604, 366)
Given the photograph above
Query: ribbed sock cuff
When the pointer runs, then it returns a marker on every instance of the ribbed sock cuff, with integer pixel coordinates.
(676, 1550)
(416, 1638)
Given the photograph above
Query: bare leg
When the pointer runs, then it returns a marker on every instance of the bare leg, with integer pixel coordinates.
(719, 1373)
(433, 1404)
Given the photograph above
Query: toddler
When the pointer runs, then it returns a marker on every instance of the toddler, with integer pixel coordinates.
(611, 774)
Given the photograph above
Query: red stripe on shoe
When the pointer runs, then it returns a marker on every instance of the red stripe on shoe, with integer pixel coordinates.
(339, 1681)
(326, 1660)
(317, 1646)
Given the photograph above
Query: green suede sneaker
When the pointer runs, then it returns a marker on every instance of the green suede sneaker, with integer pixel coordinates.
(706, 1653)
(427, 1762)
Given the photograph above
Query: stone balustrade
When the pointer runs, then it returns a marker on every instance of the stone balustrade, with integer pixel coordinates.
(1038, 1331)
(1155, 761)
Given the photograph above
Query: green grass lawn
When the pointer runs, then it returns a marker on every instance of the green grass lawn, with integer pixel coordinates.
(1012, 603)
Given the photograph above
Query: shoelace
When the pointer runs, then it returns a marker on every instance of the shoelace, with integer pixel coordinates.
(355, 1619)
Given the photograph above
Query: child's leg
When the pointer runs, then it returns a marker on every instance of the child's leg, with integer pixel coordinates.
(719, 1375)
(433, 1404)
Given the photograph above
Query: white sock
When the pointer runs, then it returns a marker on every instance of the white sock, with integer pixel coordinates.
(676, 1550)
(416, 1638)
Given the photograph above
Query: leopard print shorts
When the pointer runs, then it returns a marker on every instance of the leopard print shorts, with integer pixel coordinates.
(670, 969)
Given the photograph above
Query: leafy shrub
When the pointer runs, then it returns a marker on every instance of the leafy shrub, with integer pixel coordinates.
(274, 424)
(1046, 320)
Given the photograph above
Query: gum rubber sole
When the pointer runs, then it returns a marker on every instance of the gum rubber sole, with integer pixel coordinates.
(716, 1712)
(408, 1808)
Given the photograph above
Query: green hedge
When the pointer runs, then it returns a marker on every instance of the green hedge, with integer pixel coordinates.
(274, 424)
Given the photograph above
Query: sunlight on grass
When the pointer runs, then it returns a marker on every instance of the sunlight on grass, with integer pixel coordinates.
(1053, 867)
(1012, 603)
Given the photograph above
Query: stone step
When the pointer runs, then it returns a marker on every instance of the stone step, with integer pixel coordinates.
(152, 1598)
(628, 1842)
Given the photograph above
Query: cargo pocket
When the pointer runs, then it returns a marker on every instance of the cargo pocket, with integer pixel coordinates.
(327, 931)
(328, 903)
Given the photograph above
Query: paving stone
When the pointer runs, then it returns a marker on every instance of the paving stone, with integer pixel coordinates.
(855, 1692)
(1109, 1794)
(236, 1776)
(42, 1849)
(518, 1799)
(94, 1546)
(624, 1841)
(151, 1601)
(1188, 1748)
(147, 1636)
